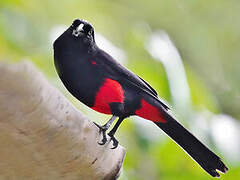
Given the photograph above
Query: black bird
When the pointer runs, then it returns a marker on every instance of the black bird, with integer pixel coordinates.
(101, 83)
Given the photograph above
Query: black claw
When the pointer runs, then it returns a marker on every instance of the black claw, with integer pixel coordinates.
(104, 140)
(115, 146)
(102, 129)
(115, 141)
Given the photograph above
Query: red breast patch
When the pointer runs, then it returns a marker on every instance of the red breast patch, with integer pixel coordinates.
(93, 62)
(111, 91)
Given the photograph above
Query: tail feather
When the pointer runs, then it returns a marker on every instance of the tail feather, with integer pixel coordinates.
(209, 161)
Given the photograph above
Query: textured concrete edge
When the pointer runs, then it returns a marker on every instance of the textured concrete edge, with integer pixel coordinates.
(28, 66)
(115, 173)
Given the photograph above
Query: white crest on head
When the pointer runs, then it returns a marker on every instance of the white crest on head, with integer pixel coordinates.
(78, 30)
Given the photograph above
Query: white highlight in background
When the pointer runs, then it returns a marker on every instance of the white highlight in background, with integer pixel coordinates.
(226, 135)
(162, 48)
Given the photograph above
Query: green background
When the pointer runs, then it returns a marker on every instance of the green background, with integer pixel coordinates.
(207, 36)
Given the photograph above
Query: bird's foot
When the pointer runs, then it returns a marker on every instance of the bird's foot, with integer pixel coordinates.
(102, 129)
(115, 141)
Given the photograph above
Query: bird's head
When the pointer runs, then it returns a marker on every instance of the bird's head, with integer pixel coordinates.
(83, 30)
(78, 38)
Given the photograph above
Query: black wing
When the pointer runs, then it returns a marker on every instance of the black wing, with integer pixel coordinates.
(153, 90)
(115, 68)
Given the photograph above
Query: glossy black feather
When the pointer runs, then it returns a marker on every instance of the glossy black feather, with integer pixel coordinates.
(113, 69)
(74, 54)
(209, 161)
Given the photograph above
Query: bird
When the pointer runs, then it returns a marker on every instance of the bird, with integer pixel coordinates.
(97, 80)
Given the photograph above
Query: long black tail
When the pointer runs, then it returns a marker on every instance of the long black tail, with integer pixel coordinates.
(209, 161)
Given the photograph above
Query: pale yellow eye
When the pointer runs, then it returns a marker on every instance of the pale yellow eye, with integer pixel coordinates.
(90, 32)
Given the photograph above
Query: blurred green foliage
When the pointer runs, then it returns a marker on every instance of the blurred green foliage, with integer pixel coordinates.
(207, 34)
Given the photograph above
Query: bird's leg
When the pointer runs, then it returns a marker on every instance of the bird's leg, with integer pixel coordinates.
(113, 131)
(104, 128)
